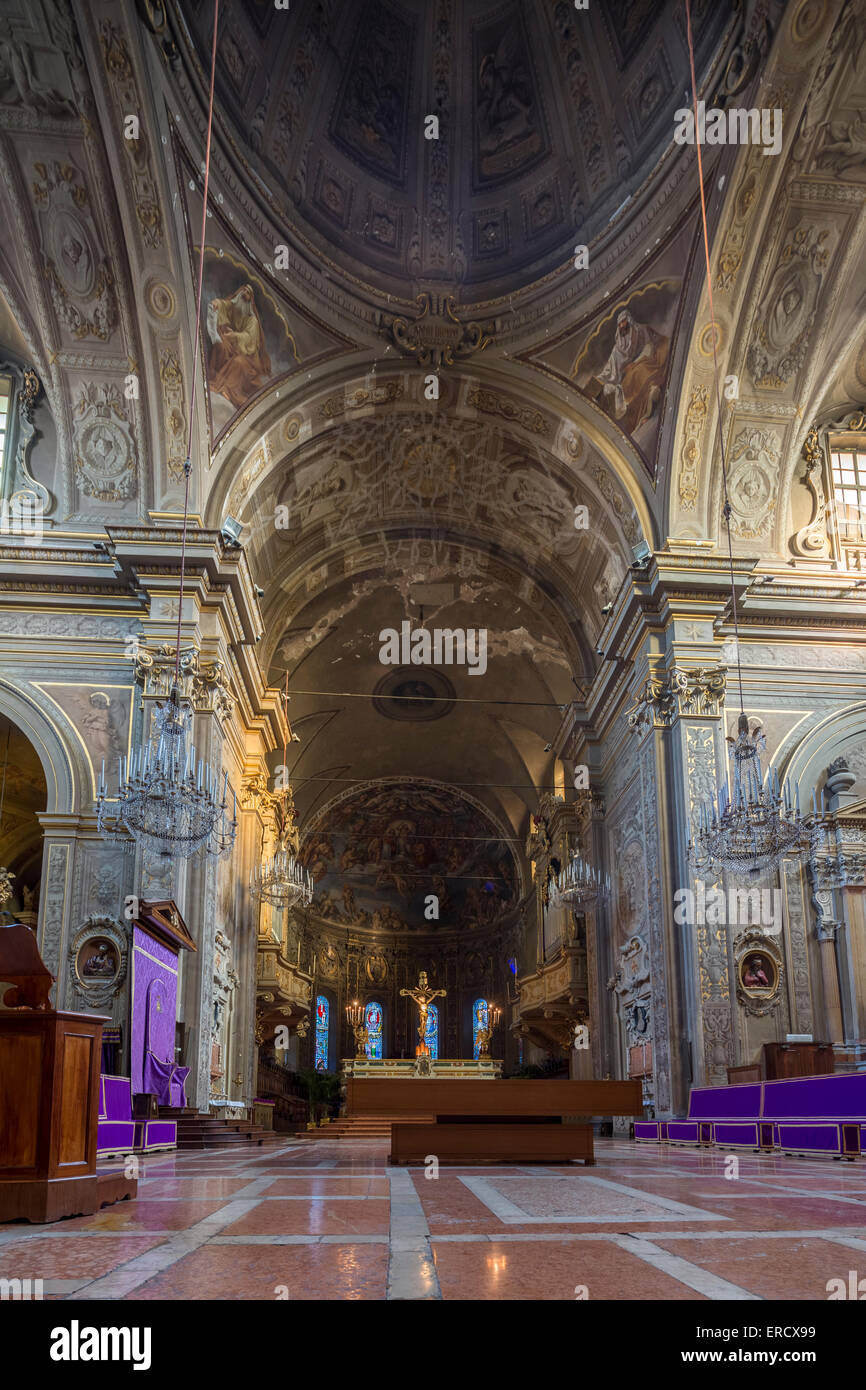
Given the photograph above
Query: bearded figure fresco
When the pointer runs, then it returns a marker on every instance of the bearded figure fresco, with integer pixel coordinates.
(238, 361)
(630, 383)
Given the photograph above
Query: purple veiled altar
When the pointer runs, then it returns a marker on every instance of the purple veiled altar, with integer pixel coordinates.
(158, 937)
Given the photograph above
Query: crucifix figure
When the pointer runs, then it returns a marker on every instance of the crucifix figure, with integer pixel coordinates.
(423, 997)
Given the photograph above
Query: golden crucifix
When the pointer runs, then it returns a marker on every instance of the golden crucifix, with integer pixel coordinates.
(423, 997)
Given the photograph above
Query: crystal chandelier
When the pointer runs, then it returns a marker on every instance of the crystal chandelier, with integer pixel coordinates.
(282, 879)
(748, 827)
(580, 884)
(752, 822)
(168, 801)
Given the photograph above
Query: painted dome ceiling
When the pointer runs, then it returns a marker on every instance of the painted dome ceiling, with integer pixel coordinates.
(550, 119)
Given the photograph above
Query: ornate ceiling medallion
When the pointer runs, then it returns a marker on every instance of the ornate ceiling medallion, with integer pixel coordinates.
(407, 697)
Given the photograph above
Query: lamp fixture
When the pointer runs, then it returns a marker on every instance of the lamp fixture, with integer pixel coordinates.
(165, 800)
(752, 823)
(580, 884)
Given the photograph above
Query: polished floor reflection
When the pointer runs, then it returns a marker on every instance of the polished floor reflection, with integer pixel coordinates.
(331, 1220)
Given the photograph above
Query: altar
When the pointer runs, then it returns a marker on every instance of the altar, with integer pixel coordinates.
(407, 1068)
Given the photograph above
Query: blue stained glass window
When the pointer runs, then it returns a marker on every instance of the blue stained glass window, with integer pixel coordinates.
(373, 1024)
(323, 1011)
(479, 1021)
(431, 1037)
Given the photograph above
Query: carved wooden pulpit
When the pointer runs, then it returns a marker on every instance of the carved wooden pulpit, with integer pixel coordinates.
(49, 1095)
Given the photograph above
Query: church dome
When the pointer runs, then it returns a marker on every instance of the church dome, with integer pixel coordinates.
(427, 142)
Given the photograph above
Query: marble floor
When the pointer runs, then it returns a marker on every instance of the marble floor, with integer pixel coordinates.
(331, 1220)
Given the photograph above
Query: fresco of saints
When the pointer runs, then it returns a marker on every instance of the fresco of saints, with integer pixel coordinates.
(238, 362)
(630, 382)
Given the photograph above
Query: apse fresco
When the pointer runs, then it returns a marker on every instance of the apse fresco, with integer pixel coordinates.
(378, 853)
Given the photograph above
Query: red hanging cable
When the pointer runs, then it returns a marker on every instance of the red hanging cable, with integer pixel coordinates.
(727, 506)
(187, 467)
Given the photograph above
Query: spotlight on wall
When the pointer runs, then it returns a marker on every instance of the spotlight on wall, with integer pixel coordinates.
(641, 553)
(606, 609)
(599, 651)
(231, 531)
(547, 747)
(260, 593)
(295, 738)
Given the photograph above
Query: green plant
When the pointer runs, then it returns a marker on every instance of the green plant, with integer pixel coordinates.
(323, 1089)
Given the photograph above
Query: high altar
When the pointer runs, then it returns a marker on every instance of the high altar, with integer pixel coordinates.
(422, 1065)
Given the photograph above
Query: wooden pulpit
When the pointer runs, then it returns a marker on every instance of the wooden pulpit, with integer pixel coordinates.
(49, 1095)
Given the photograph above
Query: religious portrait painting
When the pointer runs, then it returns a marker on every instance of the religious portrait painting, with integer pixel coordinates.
(758, 974)
(249, 341)
(622, 365)
(97, 961)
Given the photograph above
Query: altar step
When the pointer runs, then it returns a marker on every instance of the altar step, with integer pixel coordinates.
(195, 1131)
(364, 1127)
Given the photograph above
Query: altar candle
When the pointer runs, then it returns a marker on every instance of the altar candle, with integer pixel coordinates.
(102, 776)
(814, 803)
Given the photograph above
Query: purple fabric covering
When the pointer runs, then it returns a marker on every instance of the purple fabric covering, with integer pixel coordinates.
(117, 1094)
(154, 1134)
(165, 1080)
(154, 1010)
(736, 1134)
(815, 1138)
(114, 1136)
(646, 1129)
(839, 1097)
(726, 1102)
(683, 1132)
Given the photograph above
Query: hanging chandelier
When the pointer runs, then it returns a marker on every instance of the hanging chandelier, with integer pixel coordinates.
(752, 822)
(166, 800)
(579, 884)
(282, 879)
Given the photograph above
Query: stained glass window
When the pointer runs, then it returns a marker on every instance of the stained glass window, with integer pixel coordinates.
(323, 1011)
(431, 1037)
(479, 1021)
(373, 1024)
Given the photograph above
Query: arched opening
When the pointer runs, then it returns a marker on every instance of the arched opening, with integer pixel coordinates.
(23, 796)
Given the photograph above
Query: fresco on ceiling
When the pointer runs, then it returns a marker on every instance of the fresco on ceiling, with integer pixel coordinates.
(370, 118)
(248, 340)
(620, 357)
(378, 853)
(252, 335)
(509, 120)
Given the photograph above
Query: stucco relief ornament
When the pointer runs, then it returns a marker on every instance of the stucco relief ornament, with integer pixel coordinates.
(812, 539)
(436, 336)
(78, 275)
(753, 482)
(787, 311)
(105, 451)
